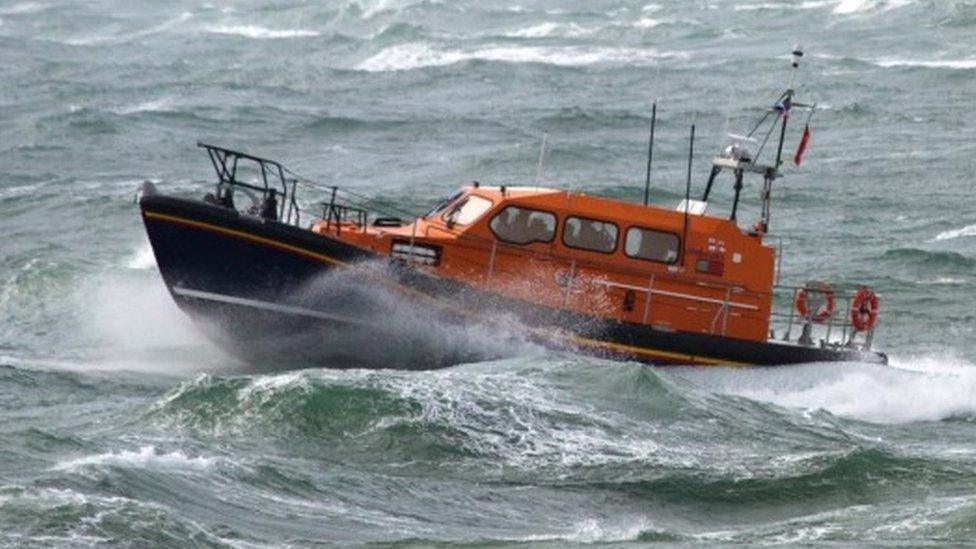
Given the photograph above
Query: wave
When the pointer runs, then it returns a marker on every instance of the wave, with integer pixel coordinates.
(847, 7)
(913, 389)
(128, 37)
(959, 64)
(779, 6)
(543, 30)
(969, 230)
(916, 256)
(164, 104)
(142, 259)
(421, 55)
(147, 457)
(511, 411)
(367, 9)
(51, 516)
(24, 8)
(260, 33)
(606, 422)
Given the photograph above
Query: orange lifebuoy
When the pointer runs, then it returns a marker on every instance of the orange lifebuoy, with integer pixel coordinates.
(824, 310)
(864, 309)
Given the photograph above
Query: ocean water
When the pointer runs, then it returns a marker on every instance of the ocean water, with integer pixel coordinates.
(120, 425)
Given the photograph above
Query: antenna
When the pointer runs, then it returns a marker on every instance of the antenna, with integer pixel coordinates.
(650, 153)
(684, 232)
(542, 158)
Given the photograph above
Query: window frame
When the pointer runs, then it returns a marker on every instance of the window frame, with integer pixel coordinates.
(616, 240)
(555, 228)
(458, 203)
(656, 230)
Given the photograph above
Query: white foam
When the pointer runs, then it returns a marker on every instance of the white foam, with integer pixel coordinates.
(155, 105)
(419, 55)
(542, 30)
(592, 530)
(375, 7)
(131, 323)
(847, 7)
(646, 23)
(969, 230)
(142, 259)
(945, 281)
(23, 8)
(912, 389)
(262, 387)
(146, 458)
(958, 64)
(259, 33)
(811, 5)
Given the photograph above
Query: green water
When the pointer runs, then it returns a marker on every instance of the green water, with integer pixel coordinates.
(122, 426)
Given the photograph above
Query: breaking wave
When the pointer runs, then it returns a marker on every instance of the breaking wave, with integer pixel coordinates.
(912, 389)
(145, 457)
(260, 33)
(846, 7)
(916, 256)
(958, 64)
(421, 55)
(969, 230)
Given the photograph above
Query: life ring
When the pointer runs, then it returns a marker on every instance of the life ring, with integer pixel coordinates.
(807, 293)
(864, 310)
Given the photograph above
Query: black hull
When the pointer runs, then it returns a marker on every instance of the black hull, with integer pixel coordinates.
(283, 297)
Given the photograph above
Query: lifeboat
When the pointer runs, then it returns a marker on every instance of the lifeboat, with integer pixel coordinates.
(351, 287)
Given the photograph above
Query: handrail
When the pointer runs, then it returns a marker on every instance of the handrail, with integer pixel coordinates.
(225, 162)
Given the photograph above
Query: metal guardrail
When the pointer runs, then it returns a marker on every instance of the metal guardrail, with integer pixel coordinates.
(813, 332)
(271, 184)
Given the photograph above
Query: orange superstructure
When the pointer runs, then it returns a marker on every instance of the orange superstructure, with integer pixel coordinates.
(593, 255)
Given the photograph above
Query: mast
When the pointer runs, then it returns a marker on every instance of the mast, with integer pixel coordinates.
(650, 154)
(740, 160)
(684, 230)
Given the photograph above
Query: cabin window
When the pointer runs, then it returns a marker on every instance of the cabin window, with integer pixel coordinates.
(652, 245)
(468, 210)
(590, 234)
(518, 225)
(444, 203)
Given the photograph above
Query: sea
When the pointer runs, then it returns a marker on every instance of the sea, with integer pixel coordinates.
(121, 425)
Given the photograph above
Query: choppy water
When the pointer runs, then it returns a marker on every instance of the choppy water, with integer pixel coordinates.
(120, 425)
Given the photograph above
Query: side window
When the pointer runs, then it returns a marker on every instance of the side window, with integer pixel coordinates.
(590, 234)
(517, 225)
(652, 245)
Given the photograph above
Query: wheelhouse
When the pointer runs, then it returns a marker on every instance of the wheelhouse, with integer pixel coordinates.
(593, 255)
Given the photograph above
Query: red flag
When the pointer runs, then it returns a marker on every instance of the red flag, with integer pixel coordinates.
(802, 148)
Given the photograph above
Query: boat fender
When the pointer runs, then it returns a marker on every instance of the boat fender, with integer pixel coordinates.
(819, 293)
(864, 309)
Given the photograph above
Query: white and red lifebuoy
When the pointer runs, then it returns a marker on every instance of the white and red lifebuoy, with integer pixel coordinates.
(864, 309)
(815, 301)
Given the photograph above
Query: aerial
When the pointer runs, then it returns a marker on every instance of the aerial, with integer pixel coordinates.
(418, 273)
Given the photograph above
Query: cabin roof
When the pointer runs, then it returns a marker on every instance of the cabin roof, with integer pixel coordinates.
(586, 205)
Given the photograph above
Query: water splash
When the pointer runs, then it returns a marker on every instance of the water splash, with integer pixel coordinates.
(912, 389)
